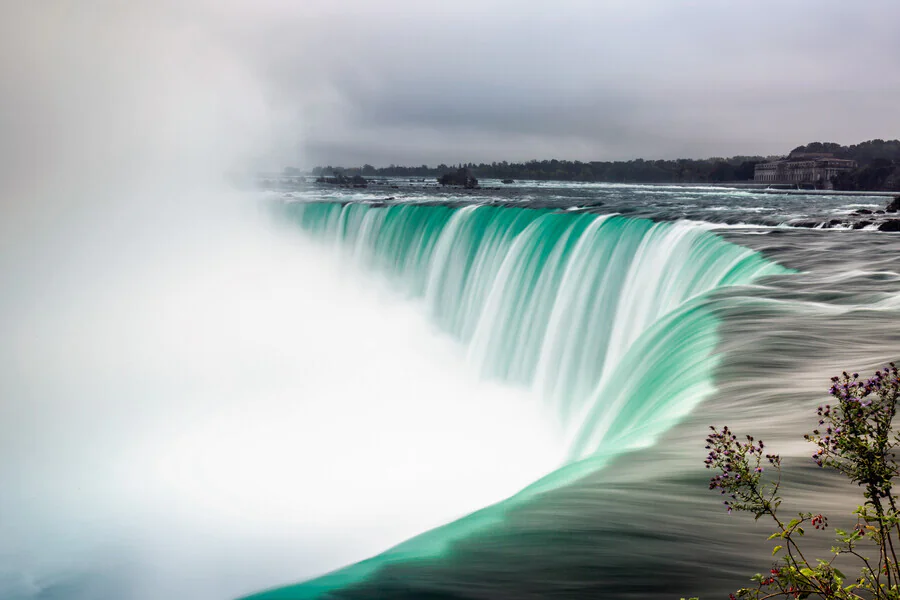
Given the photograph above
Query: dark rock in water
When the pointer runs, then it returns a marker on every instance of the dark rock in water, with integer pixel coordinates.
(508, 181)
(892, 225)
(340, 179)
(806, 224)
(834, 222)
(462, 177)
(862, 211)
(894, 205)
(861, 224)
(879, 212)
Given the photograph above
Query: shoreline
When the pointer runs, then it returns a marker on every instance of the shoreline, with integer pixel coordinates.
(267, 181)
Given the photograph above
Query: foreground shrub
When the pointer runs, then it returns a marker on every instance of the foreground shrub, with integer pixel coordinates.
(854, 437)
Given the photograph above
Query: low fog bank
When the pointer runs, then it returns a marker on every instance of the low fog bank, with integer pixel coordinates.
(236, 415)
(194, 404)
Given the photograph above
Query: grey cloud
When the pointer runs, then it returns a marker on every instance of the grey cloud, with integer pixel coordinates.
(588, 80)
(412, 82)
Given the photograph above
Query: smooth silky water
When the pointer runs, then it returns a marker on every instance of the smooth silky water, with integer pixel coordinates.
(619, 327)
(433, 398)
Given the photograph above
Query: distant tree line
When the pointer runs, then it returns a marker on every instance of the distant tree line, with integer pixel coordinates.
(879, 175)
(739, 168)
(879, 168)
(865, 153)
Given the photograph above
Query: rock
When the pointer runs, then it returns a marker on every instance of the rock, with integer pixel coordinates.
(879, 212)
(805, 224)
(894, 205)
(892, 225)
(862, 211)
(508, 181)
(861, 224)
(462, 178)
(343, 181)
(835, 222)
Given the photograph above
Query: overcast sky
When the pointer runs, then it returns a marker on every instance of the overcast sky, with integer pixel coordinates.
(412, 81)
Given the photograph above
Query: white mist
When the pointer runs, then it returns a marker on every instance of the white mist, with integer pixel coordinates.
(193, 404)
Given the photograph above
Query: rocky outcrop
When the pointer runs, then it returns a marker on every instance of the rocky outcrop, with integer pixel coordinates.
(461, 178)
(357, 181)
(863, 218)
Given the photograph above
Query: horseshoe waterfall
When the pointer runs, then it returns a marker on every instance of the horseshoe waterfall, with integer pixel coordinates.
(608, 322)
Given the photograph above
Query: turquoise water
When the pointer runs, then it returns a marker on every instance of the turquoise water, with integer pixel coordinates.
(609, 321)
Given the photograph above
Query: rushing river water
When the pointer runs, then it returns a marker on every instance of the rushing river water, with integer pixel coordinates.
(496, 394)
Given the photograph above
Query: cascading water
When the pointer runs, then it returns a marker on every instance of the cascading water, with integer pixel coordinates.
(605, 319)
(570, 305)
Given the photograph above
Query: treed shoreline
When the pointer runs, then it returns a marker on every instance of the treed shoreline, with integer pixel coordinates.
(878, 160)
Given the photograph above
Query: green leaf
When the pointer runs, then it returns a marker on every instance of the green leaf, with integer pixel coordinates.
(808, 572)
(793, 523)
(839, 574)
(776, 549)
(777, 534)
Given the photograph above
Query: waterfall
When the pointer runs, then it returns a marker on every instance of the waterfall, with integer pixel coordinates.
(608, 321)
(604, 318)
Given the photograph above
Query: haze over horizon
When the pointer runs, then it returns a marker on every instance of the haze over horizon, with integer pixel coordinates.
(414, 83)
(411, 83)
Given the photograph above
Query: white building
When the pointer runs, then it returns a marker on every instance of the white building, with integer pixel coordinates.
(810, 169)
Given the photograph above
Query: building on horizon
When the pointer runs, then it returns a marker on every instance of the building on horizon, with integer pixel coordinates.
(807, 168)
